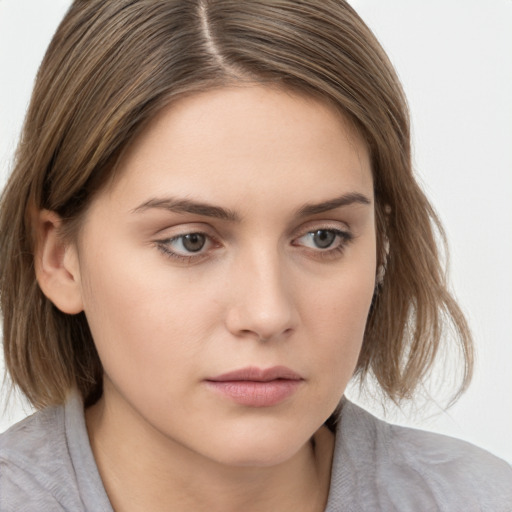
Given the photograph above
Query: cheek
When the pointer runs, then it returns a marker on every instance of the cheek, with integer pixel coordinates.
(341, 302)
(144, 319)
(336, 319)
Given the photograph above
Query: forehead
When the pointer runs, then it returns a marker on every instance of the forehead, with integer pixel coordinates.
(247, 139)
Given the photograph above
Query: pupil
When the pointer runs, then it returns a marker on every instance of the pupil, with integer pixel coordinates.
(194, 242)
(323, 238)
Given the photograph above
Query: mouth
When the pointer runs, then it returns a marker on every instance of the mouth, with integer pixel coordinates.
(255, 387)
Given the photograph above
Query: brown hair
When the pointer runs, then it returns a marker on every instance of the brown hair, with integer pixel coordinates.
(112, 65)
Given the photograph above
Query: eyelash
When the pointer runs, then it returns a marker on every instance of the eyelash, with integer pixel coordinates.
(163, 246)
(329, 253)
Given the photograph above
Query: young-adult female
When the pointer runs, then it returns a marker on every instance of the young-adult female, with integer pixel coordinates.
(212, 226)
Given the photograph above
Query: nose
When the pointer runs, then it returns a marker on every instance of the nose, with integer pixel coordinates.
(261, 299)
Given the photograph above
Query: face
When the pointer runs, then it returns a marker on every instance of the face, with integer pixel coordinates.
(227, 273)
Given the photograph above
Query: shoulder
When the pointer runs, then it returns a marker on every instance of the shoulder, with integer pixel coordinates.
(409, 469)
(456, 471)
(46, 463)
(34, 463)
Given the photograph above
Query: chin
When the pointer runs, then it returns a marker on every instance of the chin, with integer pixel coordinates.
(261, 448)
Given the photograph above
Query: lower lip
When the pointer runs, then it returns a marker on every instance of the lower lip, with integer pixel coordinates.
(255, 393)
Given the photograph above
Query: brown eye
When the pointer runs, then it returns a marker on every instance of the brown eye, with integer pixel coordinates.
(188, 245)
(193, 242)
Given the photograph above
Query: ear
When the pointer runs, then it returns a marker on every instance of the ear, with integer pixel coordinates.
(56, 264)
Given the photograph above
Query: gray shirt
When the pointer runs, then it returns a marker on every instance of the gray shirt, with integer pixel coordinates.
(46, 464)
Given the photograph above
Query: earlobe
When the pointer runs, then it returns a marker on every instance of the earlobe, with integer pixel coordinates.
(56, 264)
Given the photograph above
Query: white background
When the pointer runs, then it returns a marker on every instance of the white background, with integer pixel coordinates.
(455, 60)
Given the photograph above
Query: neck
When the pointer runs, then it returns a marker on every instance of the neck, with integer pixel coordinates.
(143, 470)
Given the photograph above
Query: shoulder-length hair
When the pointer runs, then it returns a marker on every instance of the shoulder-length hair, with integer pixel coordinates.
(112, 65)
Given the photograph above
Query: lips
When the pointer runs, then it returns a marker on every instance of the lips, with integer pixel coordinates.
(255, 387)
(258, 375)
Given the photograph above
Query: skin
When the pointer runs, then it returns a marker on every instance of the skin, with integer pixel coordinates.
(259, 293)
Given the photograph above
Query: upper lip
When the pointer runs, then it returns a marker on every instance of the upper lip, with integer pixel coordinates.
(255, 374)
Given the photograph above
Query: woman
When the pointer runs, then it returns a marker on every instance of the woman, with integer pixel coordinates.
(212, 226)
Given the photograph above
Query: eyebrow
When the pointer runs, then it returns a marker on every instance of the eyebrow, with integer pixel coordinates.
(332, 204)
(207, 210)
(188, 206)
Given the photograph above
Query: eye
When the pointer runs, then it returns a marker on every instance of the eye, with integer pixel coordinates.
(323, 239)
(186, 247)
(193, 242)
(324, 243)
